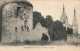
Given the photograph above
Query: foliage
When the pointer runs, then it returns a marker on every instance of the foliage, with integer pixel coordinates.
(48, 21)
(69, 31)
(37, 17)
(57, 31)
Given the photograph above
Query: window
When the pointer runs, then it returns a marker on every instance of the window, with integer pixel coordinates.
(18, 8)
(25, 21)
(22, 28)
(15, 29)
(27, 28)
(16, 11)
(20, 17)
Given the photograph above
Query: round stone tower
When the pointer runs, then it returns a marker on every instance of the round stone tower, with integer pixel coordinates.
(16, 21)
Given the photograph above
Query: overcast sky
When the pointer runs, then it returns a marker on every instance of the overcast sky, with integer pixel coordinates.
(54, 8)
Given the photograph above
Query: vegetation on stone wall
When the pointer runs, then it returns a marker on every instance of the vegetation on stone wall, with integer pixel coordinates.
(55, 28)
(37, 17)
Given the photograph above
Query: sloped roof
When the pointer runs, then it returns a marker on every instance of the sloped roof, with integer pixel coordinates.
(63, 14)
(74, 19)
(74, 22)
(39, 26)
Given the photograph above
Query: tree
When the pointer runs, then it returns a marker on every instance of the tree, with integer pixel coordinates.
(37, 17)
(48, 21)
(57, 25)
(69, 31)
(57, 31)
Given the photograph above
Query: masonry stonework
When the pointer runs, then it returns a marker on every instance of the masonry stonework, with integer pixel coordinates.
(17, 21)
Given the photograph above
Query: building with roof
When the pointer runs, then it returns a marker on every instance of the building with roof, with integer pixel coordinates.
(74, 23)
(64, 18)
(75, 37)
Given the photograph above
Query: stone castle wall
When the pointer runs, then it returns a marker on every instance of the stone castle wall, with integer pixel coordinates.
(38, 31)
(17, 22)
(75, 29)
(74, 38)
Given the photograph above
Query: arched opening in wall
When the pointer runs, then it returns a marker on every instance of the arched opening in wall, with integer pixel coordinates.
(15, 29)
(44, 37)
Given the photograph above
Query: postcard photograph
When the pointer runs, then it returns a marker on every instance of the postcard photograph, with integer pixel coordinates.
(41, 23)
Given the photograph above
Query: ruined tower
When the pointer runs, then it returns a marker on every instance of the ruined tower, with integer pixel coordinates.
(64, 18)
(75, 24)
(16, 20)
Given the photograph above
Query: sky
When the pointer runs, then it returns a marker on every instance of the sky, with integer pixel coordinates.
(54, 8)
